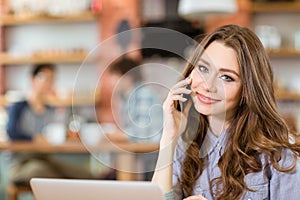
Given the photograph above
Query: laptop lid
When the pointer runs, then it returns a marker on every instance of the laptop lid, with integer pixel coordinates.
(64, 189)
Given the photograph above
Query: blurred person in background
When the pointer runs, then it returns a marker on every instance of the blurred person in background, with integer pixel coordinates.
(26, 120)
(136, 108)
(139, 113)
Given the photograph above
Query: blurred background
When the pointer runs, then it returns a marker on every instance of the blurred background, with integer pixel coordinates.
(72, 34)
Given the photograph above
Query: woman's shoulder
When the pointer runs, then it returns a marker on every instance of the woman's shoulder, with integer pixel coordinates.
(288, 157)
(288, 160)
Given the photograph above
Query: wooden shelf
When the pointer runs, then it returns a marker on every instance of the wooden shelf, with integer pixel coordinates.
(287, 95)
(284, 53)
(73, 101)
(10, 19)
(77, 57)
(69, 101)
(259, 7)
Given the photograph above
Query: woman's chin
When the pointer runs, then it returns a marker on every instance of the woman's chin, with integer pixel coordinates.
(204, 111)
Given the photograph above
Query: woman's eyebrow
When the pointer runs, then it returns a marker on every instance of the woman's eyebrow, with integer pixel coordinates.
(229, 70)
(205, 62)
(221, 69)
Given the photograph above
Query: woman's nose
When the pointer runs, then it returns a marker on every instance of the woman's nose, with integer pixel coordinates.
(209, 83)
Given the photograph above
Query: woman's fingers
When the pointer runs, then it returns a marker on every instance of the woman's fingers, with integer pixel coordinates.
(179, 98)
(181, 90)
(176, 96)
(174, 121)
(176, 93)
(181, 84)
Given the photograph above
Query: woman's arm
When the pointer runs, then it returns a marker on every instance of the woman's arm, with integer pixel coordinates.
(13, 125)
(164, 167)
(174, 124)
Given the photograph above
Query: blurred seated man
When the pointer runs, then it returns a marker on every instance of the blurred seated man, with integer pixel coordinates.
(26, 120)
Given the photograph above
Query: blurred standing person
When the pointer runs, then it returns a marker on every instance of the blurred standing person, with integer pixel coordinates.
(139, 109)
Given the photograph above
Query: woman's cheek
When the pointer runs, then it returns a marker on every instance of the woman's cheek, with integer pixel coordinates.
(196, 79)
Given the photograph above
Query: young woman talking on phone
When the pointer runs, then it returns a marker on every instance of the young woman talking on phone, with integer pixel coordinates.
(223, 137)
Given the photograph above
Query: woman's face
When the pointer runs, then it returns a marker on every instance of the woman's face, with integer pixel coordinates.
(216, 83)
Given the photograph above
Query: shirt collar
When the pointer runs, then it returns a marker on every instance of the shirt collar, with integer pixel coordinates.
(211, 142)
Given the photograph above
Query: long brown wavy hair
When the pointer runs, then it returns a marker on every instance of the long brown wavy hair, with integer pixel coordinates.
(256, 127)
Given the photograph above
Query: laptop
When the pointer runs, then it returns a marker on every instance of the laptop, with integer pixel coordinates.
(65, 189)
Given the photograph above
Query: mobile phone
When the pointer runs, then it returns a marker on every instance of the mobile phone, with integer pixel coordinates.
(187, 96)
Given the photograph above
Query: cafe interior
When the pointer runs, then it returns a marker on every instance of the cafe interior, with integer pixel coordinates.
(81, 39)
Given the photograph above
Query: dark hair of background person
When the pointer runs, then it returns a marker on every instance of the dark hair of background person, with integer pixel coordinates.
(124, 65)
(40, 67)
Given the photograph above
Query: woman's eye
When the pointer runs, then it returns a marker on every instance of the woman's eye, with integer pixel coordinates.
(203, 68)
(226, 78)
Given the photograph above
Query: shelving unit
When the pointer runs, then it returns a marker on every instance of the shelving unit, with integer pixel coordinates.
(285, 53)
(66, 57)
(287, 95)
(283, 16)
(57, 102)
(10, 19)
(273, 7)
(71, 57)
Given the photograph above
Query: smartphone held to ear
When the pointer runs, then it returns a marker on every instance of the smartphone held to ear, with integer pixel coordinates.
(186, 96)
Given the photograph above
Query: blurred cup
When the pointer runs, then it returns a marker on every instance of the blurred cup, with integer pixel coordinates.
(90, 134)
(55, 133)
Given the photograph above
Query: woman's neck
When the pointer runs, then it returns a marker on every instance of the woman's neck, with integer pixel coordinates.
(217, 125)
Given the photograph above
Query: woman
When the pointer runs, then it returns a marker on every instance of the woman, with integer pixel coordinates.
(229, 142)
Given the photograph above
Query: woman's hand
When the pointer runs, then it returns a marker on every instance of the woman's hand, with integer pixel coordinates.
(196, 197)
(174, 120)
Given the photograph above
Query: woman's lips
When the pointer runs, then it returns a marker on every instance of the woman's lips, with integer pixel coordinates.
(205, 99)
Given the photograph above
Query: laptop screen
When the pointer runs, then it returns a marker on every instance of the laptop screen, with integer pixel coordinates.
(62, 189)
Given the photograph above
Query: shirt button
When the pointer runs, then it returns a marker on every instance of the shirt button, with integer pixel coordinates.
(249, 199)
